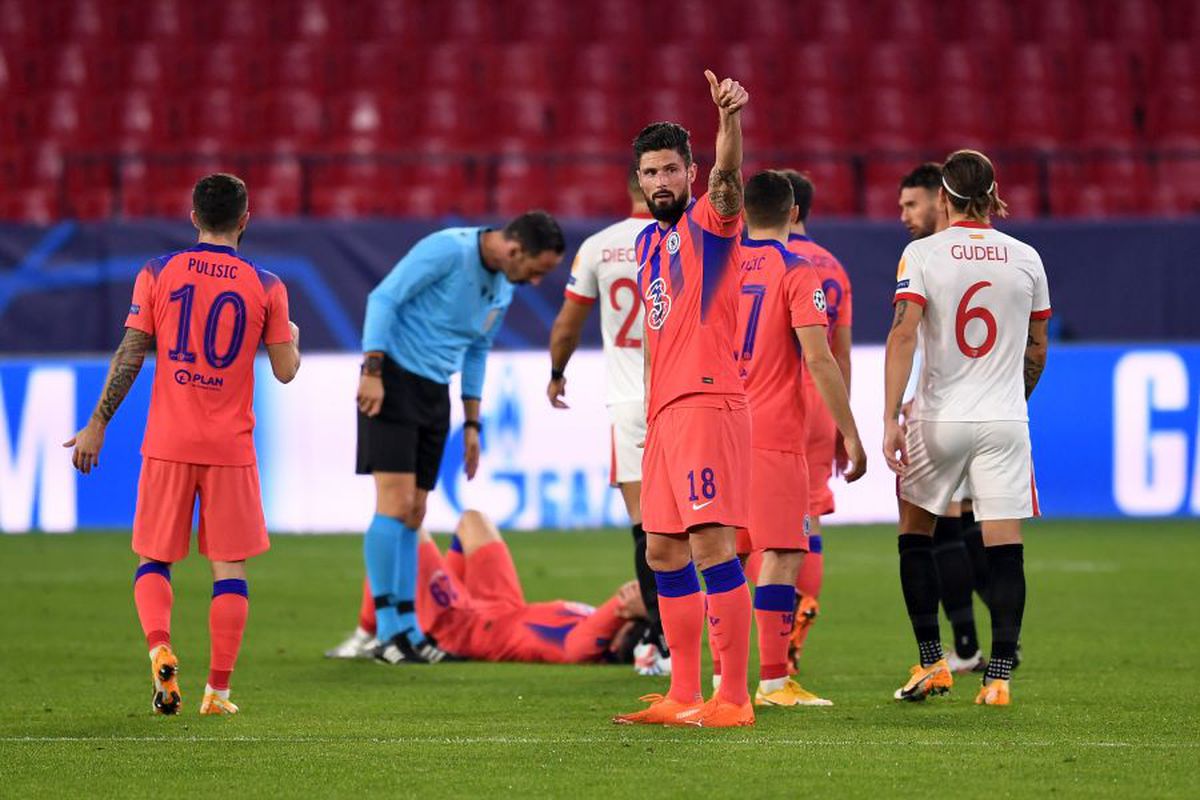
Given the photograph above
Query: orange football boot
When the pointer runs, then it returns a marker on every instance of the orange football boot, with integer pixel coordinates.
(663, 710)
(164, 671)
(718, 713)
(807, 609)
(924, 681)
(994, 693)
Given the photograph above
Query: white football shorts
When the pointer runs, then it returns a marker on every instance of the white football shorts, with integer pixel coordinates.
(628, 431)
(995, 457)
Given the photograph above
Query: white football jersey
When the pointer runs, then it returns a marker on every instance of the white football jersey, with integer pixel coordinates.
(605, 269)
(979, 288)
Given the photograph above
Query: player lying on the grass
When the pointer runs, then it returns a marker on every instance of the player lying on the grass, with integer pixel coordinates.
(605, 269)
(957, 543)
(204, 311)
(471, 600)
(980, 302)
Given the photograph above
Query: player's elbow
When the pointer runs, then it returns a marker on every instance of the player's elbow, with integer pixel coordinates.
(285, 368)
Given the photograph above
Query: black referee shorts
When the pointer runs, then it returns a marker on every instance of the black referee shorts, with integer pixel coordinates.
(409, 434)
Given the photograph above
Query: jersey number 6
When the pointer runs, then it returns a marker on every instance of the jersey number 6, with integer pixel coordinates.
(980, 313)
(185, 295)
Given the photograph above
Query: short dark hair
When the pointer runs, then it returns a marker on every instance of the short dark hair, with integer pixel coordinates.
(633, 184)
(802, 190)
(926, 176)
(970, 182)
(663, 136)
(220, 201)
(537, 232)
(769, 199)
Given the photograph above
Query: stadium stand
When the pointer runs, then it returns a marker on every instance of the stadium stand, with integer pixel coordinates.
(110, 109)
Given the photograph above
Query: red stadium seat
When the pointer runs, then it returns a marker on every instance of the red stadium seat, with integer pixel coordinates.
(519, 116)
(672, 65)
(913, 22)
(521, 66)
(833, 186)
(18, 23)
(691, 22)
(816, 66)
(65, 120)
(1106, 118)
(895, 65)
(29, 166)
(1058, 22)
(363, 122)
(895, 120)
(274, 202)
(1034, 119)
(1029, 69)
(590, 189)
(469, 21)
(816, 122)
(538, 21)
(1022, 200)
(615, 21)
(600, 65)
(521, 186)
(212, 121)
(162, 22)
(447, 120)
(1179, 179)
(149, 66)
(90, 204)
(452, 65)
(987, 23)
(291, 117)
(222, 65)
(35, 206)
(341, 202)
(133, 122)
(840, 22)
(87, 21)
(958, 66)
(317, 22)
(391, 22)
(281, 175)
(376, 66)
(770, 23)
(246, 22)
(1125, 182)
(964, 117)
(296, 66)
(1106, 64)
(1136, 25)
(1175, 116)
(1178, 63)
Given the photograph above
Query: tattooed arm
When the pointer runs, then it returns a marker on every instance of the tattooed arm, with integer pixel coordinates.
(1035, 353)
(725, 180)
(897, 364)
(124, 369)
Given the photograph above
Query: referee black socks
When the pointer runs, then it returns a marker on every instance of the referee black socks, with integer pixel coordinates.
(645, 579)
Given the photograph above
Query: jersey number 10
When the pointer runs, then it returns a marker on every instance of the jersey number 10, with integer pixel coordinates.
(185, 295)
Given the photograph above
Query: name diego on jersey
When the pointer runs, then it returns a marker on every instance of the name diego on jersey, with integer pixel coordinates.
(660, 303)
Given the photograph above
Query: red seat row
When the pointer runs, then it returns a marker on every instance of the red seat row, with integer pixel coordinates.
(1138, 22)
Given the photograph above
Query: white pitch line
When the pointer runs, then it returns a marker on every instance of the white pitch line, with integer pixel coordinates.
(766, 739)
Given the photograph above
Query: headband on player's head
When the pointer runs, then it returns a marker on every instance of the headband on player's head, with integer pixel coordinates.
(991, 189)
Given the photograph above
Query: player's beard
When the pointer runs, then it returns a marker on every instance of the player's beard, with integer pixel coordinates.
(667, 212)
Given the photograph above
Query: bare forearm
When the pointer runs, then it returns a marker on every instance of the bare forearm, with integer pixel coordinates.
(471, 408)
(122, 372)
(725, 180)
(828, 380)
(564, 339)
(1035, 363)
(843, 364)
(897, 365)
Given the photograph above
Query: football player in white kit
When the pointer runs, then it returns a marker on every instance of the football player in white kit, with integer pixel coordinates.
(957, 544)
(978, 299)
(605, 270)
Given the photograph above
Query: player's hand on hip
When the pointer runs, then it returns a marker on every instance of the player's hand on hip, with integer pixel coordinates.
(857, 456)
(895, 447)
(370, 395)
(470, 452)
(87, 444)
(556, 390)
(729, 95)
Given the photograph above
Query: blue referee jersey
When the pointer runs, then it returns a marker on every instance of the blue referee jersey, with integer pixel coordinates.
(438, 310)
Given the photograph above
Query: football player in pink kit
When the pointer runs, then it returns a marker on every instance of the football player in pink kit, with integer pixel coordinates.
(471, 600)
(782, 306)
(980, 301)
(204, 311)
(697, 453)
(824, 450)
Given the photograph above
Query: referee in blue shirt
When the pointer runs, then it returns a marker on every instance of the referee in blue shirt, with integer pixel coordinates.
(436, 313)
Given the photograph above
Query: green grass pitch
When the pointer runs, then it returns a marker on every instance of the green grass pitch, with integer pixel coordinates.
(1106, 704)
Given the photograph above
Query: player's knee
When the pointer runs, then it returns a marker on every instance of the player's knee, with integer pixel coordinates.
(475, 530)
(396, 502)
(415, 517)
